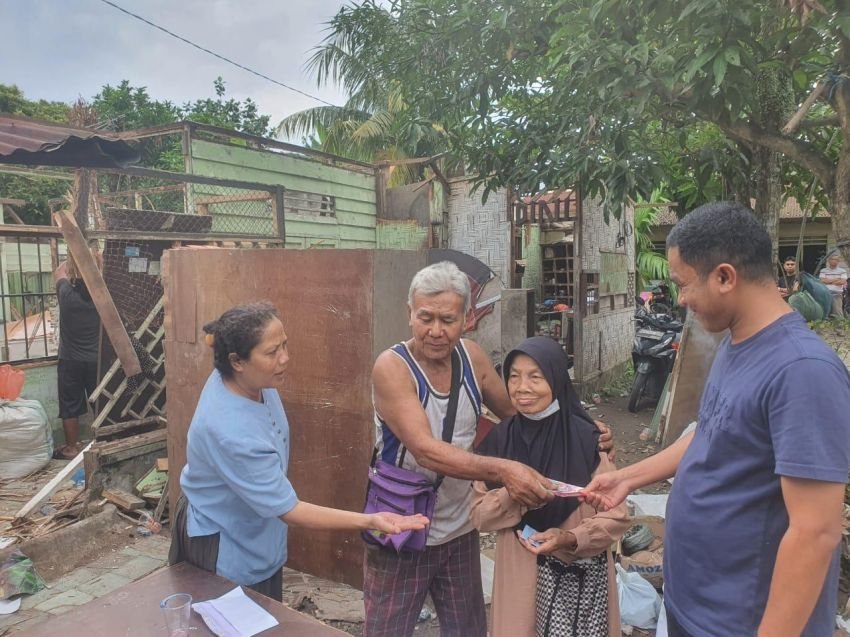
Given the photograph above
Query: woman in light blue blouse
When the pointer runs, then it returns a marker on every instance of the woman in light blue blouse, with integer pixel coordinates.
(237, 501)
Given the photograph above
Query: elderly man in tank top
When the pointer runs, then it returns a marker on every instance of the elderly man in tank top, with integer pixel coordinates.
(411, 384)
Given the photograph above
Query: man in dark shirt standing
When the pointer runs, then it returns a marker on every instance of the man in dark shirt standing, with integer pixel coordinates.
(755, 516)
(789, 281)
(79, 331)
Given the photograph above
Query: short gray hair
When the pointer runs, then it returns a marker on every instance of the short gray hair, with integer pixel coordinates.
(441, 277)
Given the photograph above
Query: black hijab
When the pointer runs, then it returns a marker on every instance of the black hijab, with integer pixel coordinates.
(562, 446)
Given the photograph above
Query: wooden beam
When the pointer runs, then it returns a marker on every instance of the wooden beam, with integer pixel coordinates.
(109, 317)
(7, 207)
(123, 500)
(279, 204)
(106, 431)
(35, 172)
(166, 175)
(414, 161)
(29, 230)
(82, 191)
(249, 196)
(8, 201)
(139, 191)
(196, 237)
(48, 489)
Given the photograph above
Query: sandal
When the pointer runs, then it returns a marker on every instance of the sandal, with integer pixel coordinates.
(61, 453)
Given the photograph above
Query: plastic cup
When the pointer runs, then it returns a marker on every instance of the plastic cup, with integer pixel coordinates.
(177, 609)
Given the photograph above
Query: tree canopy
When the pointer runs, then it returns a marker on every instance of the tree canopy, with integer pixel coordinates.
(619, 96)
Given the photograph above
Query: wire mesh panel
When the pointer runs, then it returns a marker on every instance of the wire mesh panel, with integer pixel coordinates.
(160, 202)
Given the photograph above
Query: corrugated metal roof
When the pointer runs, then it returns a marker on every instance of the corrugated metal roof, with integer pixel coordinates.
(36, 143)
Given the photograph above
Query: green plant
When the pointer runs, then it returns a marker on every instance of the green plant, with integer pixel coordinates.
(650, 265)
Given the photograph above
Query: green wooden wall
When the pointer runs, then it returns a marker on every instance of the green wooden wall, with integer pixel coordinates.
(354, 193)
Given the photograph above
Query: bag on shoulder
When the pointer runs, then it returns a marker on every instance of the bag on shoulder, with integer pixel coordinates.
(803, 302)
(819, 292)
(395, 489)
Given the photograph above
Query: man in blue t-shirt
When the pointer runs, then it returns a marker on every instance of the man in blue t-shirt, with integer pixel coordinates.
(754, 517)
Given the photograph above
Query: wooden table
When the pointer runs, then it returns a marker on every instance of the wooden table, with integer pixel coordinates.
(133, 611)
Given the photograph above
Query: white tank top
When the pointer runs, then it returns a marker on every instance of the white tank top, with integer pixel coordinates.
(451, 513)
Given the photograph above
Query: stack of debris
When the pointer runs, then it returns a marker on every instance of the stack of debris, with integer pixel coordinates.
(123, 465)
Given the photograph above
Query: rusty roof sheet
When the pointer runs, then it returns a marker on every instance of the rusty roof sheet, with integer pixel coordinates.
(37, 143)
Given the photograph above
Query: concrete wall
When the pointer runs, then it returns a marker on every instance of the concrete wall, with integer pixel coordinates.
(353, 190)
(482, 230)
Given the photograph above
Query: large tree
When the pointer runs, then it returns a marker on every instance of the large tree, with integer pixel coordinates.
(557, 92)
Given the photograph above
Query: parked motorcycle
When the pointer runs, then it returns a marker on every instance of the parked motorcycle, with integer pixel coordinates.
(657, 298)
(653, 353)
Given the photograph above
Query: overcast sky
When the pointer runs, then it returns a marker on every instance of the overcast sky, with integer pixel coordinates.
(59, 49)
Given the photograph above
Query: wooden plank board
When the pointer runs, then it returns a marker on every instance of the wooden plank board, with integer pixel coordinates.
(48, 489)
(326, 301)
(123, 500)
(162, 464)
(109, 317)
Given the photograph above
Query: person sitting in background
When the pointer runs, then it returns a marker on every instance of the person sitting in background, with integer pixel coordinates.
(559, 581)
(789, 282)
(237, 501)
(835, 279)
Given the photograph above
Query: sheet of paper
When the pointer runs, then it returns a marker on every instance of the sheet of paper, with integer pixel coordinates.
(138, 264)
(234, 614)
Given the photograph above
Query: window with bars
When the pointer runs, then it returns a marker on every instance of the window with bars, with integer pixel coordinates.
(28, 304)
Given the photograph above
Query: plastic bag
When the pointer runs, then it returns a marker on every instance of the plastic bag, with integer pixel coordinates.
(26, 440)
(819, 292)
(18, 576)
(11, 382)
(640, 603)
(806, 305)
(661, 629)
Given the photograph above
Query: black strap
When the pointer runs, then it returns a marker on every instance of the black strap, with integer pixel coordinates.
(448, 420)
(451, 411)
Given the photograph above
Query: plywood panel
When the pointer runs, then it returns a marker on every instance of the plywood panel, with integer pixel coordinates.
(325, 298)
(690, 371)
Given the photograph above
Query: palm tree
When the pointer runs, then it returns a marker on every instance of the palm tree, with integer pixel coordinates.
(375, 123)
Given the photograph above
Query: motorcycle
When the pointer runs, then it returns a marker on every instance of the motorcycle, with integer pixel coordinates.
(657, 298)
(653, 354)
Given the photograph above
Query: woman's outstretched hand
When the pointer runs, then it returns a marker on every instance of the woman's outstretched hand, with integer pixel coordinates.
(392, 523)
(547, 542)
(606, 491)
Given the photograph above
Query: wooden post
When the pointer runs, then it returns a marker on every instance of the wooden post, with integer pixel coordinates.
(280, 213)
(82, 181)
(109, 317)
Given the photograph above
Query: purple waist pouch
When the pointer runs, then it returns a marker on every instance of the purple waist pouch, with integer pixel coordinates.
(396, 490)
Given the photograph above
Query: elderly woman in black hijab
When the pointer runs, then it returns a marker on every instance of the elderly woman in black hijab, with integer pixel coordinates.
(560, 580)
